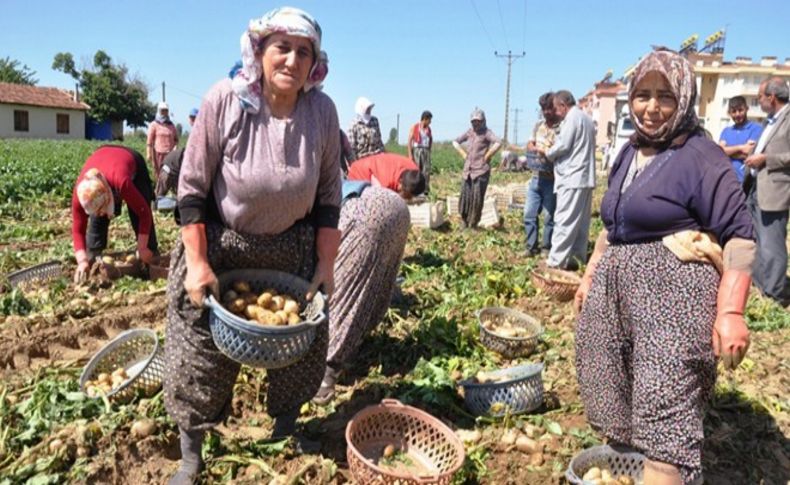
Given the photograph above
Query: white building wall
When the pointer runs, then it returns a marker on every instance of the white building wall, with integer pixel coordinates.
(42, 123)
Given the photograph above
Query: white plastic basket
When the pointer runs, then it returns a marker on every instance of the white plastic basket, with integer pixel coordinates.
(452, 205)
(518, 194)
(428, 214)
(490, 215)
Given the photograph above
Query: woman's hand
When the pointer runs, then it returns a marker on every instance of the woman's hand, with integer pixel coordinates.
(145, 255)
(199, 280)
(324, 277)
(730, 339)
(581, 294)
(81, 274)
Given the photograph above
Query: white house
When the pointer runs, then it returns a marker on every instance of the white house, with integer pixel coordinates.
(39, 112)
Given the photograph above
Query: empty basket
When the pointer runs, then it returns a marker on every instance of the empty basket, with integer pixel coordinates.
(266, 346)
(43, 271)
(427, 443)
(427, 214)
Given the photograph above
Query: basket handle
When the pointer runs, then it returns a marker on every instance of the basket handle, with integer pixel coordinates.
(391, 402)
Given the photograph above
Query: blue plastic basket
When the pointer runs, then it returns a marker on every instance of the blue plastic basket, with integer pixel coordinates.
(265, 346)
(520, 393)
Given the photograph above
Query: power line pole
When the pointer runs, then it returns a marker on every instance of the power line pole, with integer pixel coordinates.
(515, 125)
(510, 58)
(163, 92)
(397, 129)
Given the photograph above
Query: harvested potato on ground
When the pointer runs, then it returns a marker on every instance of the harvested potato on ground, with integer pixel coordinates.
(241, 287)
(143, 428)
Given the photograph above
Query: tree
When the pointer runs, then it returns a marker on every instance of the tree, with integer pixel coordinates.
(10, 72)
(110, 91)
(393, 139)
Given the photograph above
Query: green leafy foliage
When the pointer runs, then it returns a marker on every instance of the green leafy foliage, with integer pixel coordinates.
(12, 72)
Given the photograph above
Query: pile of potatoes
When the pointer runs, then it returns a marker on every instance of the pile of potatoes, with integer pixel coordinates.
(483, 377)
(106, 383)
(505, 327)
(130, 259)
(559, 278)
(268, 308)
(602, 476)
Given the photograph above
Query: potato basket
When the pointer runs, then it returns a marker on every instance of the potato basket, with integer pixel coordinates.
(509, 347)
(558, 284)
(618, 460)
(520, 390)
(43, 271)
(265, 346)
(140, 353)
(160, 268)
(427, 451)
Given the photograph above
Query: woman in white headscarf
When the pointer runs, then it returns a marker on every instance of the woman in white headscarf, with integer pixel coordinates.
(259, 188)
(365, 133)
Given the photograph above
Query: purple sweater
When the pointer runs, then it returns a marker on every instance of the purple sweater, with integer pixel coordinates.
(691, 186)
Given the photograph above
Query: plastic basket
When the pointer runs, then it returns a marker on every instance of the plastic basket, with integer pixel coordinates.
(140, 353)
(619, 461)
(422, 438)
(43, 271)
(489, 216)
(452, 204)
(427, 214)
(522, 392)
(510, 347)
(265, 346)
(558, 284)
(160, 269)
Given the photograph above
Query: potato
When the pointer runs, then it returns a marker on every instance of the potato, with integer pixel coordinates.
(536, 459)
(509, 437)
(238, 305)
(592, 473)
(282, 316)
(241, 287)
(143, 428)
(249, 298)
(625, 480)
(469, 436)
(483, 377)
(606, 475)
(83, 452)
(229, 296)
(527, 445)
(278, 302)
(103, 377)
(267, 317)
(251, 311)
(294, 318)
(131, 259)
(108, 260)
(388, 451)
(507, 332)
(291, 306)
(117, 381)
(120, 371)
(56, 445)
(265, 300)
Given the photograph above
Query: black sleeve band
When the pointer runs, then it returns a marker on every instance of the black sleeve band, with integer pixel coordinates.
(192, 210)
(326, 216)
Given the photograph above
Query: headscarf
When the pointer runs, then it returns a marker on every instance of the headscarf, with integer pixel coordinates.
(94, 193)
(479, 114)
(286, 20)
(361, 108)
(162, 118)
(680, 77)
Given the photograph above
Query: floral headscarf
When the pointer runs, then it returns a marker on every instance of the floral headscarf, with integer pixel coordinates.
(287, 20)
(94, 194)
(682, 82)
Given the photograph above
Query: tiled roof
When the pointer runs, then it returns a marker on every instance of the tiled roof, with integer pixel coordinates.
(39, 96)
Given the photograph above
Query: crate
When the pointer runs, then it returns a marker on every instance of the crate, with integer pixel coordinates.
(490, 215)
(452, 205)
(427, 214)
(518, 194)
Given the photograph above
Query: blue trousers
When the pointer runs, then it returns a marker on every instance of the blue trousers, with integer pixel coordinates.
(540, 197)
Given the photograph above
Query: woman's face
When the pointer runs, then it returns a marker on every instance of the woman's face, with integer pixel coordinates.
(286, 60)
(653, 103)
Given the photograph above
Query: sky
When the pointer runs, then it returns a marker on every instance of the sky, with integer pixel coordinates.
(404, 55)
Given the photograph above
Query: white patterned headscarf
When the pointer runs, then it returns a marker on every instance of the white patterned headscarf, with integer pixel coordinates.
(287, 20)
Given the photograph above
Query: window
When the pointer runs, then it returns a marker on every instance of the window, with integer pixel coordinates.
(62, 123)
(21, 121)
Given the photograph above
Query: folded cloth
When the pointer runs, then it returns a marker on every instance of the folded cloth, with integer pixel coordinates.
(692, 245)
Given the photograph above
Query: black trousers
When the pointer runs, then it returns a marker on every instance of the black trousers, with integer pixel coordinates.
(98, 227)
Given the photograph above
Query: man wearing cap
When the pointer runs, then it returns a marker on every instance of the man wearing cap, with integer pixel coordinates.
(162, 137)
(110, 175)
(192, 116)
(419, 146)
(480, 146)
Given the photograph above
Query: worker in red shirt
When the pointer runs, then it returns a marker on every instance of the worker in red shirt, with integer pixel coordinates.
(391, 171)
(110, 176)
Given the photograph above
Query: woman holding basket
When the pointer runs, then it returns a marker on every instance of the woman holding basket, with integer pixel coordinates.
(259, 187)
(660, 298)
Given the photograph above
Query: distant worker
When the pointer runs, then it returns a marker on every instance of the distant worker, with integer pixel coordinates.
(481, 145)
(162, 137)
(391, 171)
(540, 191)
(365, 133)
(573, 155)
(420, 144)
(111, 175)
(739, 140)
(193, 116)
